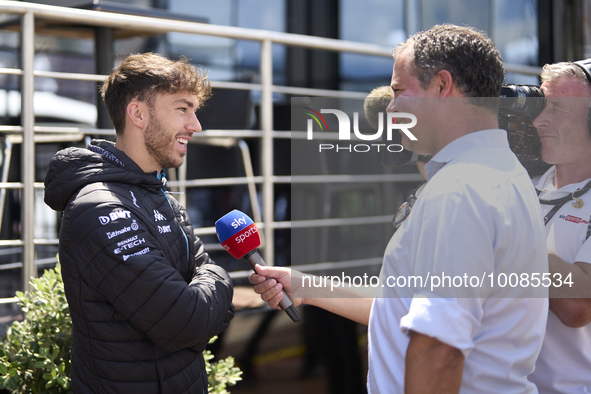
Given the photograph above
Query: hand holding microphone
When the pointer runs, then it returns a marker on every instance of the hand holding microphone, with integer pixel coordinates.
(240, 237)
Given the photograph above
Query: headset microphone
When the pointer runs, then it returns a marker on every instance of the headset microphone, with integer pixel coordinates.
(240, 237)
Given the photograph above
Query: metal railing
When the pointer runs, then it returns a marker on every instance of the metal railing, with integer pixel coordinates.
(30, 13)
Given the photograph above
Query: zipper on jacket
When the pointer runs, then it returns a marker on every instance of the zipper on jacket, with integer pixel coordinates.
(159, 176)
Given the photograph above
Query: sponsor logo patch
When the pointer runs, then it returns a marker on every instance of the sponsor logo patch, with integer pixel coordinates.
(139, 253)
(158, 217)
(129, 244)
(573, 219)
(112, 234)
(115, 215)
(134, 199)
(164, 229)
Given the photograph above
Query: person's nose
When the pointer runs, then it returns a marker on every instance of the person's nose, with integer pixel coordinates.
(194, 125)
(541, 120)
(392, 105)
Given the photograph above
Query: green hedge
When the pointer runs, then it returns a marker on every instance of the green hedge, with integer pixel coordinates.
(35, 353)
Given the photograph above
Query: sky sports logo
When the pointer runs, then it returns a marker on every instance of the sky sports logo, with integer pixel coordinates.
(393, 125)
(237, 233)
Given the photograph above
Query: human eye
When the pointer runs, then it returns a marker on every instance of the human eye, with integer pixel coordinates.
(558, 108)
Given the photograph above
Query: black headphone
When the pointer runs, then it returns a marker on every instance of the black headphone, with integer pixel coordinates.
(585, 65)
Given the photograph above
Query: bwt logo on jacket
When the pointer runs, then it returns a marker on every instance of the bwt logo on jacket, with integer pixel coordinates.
(392, 123)
(121, 214)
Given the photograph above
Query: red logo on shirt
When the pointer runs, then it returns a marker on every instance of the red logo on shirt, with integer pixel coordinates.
(573, 219)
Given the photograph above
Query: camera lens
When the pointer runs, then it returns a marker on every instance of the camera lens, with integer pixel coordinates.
(522, 100)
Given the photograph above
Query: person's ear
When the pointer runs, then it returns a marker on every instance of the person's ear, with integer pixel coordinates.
(137, 112)
(444, 82)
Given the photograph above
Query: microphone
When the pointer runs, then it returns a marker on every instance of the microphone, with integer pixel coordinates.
(240, 237)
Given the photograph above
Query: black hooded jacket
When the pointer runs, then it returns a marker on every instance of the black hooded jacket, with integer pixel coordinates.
(143, 296)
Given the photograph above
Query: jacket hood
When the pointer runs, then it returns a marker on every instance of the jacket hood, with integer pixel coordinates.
(72, 168)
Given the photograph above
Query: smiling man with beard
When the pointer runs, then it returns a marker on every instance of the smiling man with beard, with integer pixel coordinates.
(144, 296)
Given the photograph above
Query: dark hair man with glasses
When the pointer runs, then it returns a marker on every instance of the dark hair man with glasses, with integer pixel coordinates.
(564, 127)
(478, 215)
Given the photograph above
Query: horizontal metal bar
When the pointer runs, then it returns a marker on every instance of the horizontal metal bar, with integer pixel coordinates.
(12, 300)
(158, 25)
(20, 242)
(334, 222)
(204, 231)
(318, 92)
(11, 129)
(228, 133)
(235, 85)
(38, 263)
(11, 71)
(74, 76)
(216, 182)
(11, 266)
(338, 264)
(11, 185)
(47, 138)
(72, 131)
(359, 221)
(369, 178)
(309, 268)
(68, 130)
(18, 185)
(46, 241)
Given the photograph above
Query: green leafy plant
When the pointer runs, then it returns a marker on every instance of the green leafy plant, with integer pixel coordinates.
(221, 373)
(35, 354)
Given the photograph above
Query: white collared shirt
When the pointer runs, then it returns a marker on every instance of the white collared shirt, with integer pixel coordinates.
(477, 216)
(564, 364)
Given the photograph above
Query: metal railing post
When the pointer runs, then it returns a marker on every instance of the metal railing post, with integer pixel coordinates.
(28, 147)
(267, 147)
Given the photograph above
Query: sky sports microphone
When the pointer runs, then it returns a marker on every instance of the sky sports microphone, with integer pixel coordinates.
(240, 237)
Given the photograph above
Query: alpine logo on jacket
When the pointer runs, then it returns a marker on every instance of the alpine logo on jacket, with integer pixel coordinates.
(158, 217)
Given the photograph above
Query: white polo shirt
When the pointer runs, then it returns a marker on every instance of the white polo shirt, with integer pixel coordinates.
(477, 216)
(564, 365)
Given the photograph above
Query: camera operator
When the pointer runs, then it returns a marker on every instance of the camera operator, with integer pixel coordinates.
(564, 128)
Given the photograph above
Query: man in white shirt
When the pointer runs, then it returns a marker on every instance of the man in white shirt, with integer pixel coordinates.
(478, 216)
(564, 364)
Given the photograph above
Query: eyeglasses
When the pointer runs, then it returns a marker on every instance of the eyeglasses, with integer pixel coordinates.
(404, 210)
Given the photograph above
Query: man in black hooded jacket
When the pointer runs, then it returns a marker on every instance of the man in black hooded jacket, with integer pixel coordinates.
(144, 296)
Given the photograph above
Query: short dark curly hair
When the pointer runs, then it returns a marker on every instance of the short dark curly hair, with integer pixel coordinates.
(468, 54)
(142, 76)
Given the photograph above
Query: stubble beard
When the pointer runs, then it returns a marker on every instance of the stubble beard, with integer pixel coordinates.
(159, 146)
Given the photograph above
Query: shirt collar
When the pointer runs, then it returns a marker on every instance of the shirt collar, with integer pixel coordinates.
(491, 138)
(545, 183)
